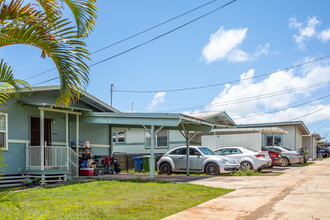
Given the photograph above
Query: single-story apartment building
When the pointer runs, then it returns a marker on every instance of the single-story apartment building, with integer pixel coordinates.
(38, 138)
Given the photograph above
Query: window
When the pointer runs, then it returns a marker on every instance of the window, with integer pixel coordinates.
(223, 151)
(161, 139)
(235, 151)
(277, 140)
(193, 151)
(176, 152)
(206, 151)
(3, 131)
(118, 136)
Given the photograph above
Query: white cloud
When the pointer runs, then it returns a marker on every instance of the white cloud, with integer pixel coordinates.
(308, 30)
(292, 113)
(261, 50)
(158, 98)
(238, 56)
(223, 42)
(279, 81)
(224, 45)
(325, 35)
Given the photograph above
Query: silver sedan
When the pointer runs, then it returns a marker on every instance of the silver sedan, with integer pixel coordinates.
(289, 156)
(201, 159)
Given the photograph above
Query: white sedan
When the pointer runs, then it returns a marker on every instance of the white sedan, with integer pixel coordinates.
(247, 158)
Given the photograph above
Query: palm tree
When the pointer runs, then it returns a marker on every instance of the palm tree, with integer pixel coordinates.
(56, 38)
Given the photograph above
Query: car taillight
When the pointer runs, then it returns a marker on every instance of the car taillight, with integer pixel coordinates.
(259, 155)
(296, 155)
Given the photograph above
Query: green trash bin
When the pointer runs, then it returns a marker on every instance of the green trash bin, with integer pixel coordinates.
(145, 162)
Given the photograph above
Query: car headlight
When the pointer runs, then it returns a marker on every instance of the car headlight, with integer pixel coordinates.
(224, 161)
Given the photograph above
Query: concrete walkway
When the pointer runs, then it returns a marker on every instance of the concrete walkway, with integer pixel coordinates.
(301, 193)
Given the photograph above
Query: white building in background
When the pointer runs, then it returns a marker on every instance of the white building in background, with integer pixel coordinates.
(310, 142)
(254, 136)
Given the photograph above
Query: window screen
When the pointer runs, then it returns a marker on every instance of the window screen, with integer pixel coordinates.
(161, 139)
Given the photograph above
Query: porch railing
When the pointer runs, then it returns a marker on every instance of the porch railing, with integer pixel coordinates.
(55, 158)
(73, 163)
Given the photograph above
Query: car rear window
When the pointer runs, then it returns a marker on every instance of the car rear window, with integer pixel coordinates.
(206, 151)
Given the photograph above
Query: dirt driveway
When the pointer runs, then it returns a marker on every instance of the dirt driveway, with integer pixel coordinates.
(298, 194)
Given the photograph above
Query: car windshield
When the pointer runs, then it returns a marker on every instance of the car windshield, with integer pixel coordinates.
(206, 151)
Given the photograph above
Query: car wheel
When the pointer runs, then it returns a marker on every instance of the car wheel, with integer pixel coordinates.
(246, 165)
(165, 168)
(325, 155)
(212, 169)
(285, 162)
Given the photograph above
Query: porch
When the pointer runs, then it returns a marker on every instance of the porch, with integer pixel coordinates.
(48, 159)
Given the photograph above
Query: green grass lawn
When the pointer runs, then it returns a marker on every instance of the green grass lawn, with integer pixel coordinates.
(109, 200)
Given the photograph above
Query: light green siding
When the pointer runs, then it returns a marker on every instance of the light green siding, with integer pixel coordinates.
(135, 141)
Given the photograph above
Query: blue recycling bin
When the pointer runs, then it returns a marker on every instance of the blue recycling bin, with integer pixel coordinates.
(83, 164)
(138, 164)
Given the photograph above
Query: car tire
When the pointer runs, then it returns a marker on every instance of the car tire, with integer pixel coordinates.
(246, 165)
(165, 168)
(325, 155)
(212, 169)
(285, 162)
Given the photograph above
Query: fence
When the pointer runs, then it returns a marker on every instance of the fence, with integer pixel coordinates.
(126, 159)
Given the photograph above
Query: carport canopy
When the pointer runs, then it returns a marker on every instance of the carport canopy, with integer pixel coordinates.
(152, 123)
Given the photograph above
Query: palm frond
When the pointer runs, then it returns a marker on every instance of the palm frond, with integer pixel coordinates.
(84, 12)
(15, 9)
(9, 86)
(8, 197)
(57, 39)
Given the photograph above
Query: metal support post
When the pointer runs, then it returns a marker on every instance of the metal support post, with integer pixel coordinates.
(42, 140)
(67, 140)
(77, 143)
(152, 159)
(187, 153)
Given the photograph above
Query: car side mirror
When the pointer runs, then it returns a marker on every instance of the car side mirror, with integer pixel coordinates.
(197, 154)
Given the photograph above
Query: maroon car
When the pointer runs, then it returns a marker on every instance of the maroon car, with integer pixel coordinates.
(275, 156)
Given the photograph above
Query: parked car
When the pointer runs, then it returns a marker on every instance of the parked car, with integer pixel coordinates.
(324, 151)
(275, 156)
(288, 156)
(201, 159)
(247, 158)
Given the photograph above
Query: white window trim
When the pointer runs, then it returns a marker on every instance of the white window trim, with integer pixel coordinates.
(116, 131)
(6, 132)
(156, 142)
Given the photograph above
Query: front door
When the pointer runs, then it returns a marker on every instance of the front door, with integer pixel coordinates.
(35, 131)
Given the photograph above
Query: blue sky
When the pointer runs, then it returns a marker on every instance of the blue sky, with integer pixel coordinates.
(245, 39)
